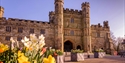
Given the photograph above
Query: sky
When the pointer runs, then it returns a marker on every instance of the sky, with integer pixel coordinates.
(100, 10)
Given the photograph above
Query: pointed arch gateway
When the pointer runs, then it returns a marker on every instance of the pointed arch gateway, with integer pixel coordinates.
(79, 47)
(68, 46)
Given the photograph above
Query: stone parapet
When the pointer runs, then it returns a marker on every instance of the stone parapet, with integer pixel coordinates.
(73, 11)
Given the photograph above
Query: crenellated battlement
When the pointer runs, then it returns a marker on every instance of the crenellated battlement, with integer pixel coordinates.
(51, 13)
(59, 0)
(75, 11)
(3, 18)
(85, 4)
(99, 26)
(31, 21)
(1, 8)
(23, 20)
(96, 26)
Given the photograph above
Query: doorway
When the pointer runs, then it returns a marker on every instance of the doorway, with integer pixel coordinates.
(68, 46)
(79, 47)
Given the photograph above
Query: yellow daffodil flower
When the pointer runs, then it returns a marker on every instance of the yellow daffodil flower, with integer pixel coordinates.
(50, 59)
(3, 48)
(22, 58)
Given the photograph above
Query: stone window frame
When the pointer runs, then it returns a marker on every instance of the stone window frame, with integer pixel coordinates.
(8, 28)
(19, 38)
(101, 34)
(42, 31)
(98, 34)
(7, 38)
(56, 7)
(31, 30)
(20, 30)
(72, 20)
(72, 32)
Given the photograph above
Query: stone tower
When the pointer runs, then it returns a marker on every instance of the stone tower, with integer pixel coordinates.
(86, 26)
(1, 11)
(58, 22)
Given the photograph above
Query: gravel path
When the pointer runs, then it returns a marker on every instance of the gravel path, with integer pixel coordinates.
(106, 59)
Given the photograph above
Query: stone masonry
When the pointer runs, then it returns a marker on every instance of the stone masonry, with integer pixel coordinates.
(66, 29)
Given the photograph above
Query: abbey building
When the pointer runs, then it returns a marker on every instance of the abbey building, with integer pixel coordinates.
(66, 29)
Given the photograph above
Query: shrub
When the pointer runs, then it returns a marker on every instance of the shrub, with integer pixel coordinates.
(77, 51)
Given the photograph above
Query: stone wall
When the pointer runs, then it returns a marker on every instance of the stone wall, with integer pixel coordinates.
(37, 27)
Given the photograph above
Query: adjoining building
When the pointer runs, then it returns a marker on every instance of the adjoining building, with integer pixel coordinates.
(123, 45)
(66, 29)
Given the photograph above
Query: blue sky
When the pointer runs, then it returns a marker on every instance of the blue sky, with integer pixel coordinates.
(100, 10)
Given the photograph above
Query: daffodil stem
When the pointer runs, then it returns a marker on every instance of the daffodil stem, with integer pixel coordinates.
(10, 51)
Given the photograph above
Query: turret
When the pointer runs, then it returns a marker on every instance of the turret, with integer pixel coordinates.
(86, 26)
(58, 21)
(105, 24)
(51, 16)
(1, 11)
(59, 6)
(85, 9)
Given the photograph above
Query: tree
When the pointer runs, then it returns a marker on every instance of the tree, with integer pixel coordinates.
(119, 42)
(113, 38)
(116, 41)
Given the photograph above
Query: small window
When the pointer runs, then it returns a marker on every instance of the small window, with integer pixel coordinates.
(98, 34)
(20, 30)
(31, 30)
(84, 8)
(72, 20)
(7, 38)
(42, 31)
(56, 7)
(72, 32)
(19, 38)
(8, 29)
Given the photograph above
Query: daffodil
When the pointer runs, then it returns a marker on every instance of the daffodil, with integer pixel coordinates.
(3, 48)
(33, 42)
(22, 58)
(14, 41)
(50, 59)
(33, 38)
(43, 51)
(1, 62)
(41, 37)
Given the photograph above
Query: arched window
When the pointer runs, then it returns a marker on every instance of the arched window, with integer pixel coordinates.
(84, 8)
(56, 8)
(72, 20)
(98, 34)
(71, 32)
(79, 47)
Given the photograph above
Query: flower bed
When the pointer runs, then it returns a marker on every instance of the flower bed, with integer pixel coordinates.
(99, 53)
(57, 54)
(32, 52)
(77, 55)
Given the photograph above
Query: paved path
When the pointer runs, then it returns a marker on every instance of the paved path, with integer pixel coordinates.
(106, 59)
